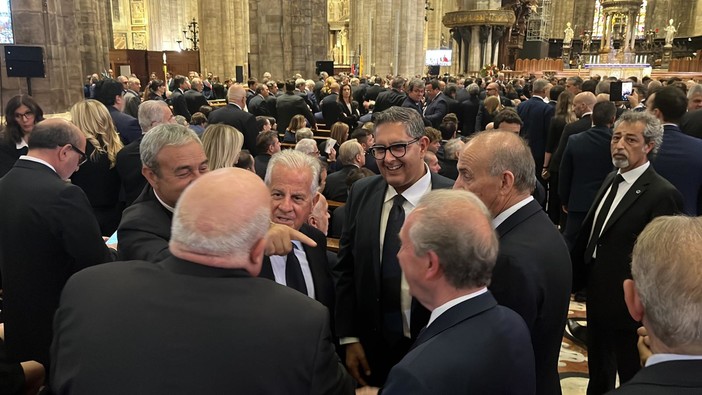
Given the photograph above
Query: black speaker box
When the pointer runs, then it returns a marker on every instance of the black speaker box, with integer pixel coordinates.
(21, 61)
(324, 65)
(239, 74)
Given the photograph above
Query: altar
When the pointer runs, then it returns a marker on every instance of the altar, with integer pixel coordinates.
(619, 70)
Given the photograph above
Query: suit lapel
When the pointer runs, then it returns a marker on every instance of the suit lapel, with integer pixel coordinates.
(317, 260)
(266, 269)
(600, 194)
(636, 190)
(375, 207)
(456, 315)
(518, 217)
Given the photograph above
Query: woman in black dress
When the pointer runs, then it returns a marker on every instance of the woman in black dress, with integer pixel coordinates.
(21, 114)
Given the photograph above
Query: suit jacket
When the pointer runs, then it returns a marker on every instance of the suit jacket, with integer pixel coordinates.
(47, 233)
(194, 100)
(288, 105)
(581, 125)
(335, 188)
(145, 229)
(319, 266)
(690, 124)
(258, 105)
(244, 122)
(270, 105)
(389, 98)
(373, 91)
(228, 340)
(331, 110)
(349, 117)
(131, 103)
(532, 276)
(436, 110)
(126, 125)
(536, 115)
(664, 378)
(180, 106)
(649, 197)
(475, 347)
(468, 114)
(679, 161)
(261, 164)
(357, 273)
(9, 155)
(585, 164)
(128, 167)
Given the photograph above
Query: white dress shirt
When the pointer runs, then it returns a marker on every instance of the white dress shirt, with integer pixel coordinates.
(446, 306)
(278, 265)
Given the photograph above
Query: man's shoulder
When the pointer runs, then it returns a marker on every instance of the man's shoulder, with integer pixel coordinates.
(440, 182)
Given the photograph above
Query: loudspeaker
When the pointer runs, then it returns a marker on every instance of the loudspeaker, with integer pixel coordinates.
(324, 65)
(23, 61)
(239, 74)
(434, 70)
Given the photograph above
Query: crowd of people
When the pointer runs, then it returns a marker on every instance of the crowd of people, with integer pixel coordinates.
(164, 242)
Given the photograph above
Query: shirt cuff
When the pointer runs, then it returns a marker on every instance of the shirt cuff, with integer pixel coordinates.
(348, 340)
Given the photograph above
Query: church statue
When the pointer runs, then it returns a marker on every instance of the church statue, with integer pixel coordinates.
(567, 34)
(587, 41)
(670, 31)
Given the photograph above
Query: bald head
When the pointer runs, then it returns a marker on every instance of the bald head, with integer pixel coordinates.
(58, 142)
(237, 94)
(583, 103)
(221, 219)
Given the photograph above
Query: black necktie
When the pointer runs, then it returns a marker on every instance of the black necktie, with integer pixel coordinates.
(293, 273)
(600, 220)
(391, 272)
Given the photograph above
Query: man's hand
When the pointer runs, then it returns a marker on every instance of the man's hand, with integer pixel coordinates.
(355, 361)
(279, 239)
(644, 345)
(367, 391)
(332, 155)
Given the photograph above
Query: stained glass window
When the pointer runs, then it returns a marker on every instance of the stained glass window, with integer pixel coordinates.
(6, 35)
(598, 21)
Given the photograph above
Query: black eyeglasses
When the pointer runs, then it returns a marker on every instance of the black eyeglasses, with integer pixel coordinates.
(83, 157)
(398, 150)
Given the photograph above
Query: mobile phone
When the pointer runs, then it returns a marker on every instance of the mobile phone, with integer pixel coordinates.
(615, 91)
(627, 89)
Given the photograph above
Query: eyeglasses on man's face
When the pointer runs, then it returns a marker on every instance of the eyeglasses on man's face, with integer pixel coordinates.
(398, 150)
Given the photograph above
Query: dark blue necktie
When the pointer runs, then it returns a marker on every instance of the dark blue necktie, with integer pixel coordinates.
(391, 272)
(293, 273)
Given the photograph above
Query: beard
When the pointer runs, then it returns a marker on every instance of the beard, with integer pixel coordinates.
(620, 163)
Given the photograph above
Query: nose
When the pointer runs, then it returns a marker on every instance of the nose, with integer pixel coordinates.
(285, 204)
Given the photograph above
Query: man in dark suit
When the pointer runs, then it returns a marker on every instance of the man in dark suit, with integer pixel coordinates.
(352, 156)
(471, 345)
(233, 114)
(47, 233)
(664, 296)
(393, 97)
(536, 115)
(219, 230)
(437, 107)
(292, 179)
(128, 164)
(111, 93)
(449, 158)
(374, 89)
(627, 200)
(132, 97)
(367, 140)
(194, 99)
(290, 104)
(377, 323)
(258, 105)
(586, 163)
(180, 106)
(532, 275)
(415, 96)
(331, 111)
(690, 123)
(679, 160)
(468, 110)
(267, 144)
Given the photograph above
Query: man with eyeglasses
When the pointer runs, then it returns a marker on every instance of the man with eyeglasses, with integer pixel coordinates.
(376, 318)
(47, 233)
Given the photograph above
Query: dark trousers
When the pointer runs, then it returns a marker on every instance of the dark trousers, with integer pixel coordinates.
(382, 356)
(610, 351)
(573, 224)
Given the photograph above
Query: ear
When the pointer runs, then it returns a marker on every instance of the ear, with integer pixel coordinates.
(312, 221)
(423, 144)
(315, 199)
(632, 300)
(506, 181)
(63, 153)
(648, 147)
(256, 257)
(150, 175)
(433, 269)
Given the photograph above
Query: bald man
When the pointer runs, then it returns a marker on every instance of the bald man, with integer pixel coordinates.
(47, 232)
(240, 332)
(233, 114)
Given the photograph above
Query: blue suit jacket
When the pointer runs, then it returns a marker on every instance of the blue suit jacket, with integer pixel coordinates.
(585, 164)
(436, 110)
(679, 161)
(475, 347)
(127, 126)
(536, 115)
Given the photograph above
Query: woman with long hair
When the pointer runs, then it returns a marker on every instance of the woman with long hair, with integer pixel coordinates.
(491, 106)
(296, 123)
(155, 91)
(222, 144)
(563, 115)
(22, 112)
(98, 177)
(349, 108)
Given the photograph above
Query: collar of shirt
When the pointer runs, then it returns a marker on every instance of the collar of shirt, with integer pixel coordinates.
(669, 123)
(446, 306)
(501, 217)
(586, 114)
(632, 175)
(22, 143)
(234, 104)
(37, 160)
(539, 97)
(658, 358)
(413, 193)
(169, 208)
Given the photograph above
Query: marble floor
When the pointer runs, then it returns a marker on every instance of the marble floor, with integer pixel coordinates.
(572, 363)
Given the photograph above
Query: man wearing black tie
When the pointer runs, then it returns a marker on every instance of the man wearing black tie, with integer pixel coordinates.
(377, 319)
(628, 200)
(292, 178)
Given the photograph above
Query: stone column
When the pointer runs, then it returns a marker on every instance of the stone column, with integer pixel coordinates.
(167, 19)
(224, 36)
(51, 25)
(287, 37)
(92, 18)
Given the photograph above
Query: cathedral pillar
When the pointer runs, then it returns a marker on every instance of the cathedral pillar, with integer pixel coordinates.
(94, 39)
(52, 26)
(224, 37)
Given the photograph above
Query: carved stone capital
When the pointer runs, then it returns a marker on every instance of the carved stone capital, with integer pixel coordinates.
(479, 17)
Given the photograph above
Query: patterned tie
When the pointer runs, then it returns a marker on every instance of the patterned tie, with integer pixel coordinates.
(391, 272)
(600, 221)
(293, 273)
